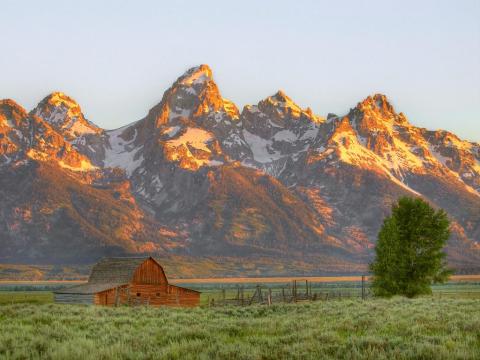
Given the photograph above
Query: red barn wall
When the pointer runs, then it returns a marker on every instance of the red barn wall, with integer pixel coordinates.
(160, 295)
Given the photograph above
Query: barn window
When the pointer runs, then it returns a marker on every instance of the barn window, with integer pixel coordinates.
(138, 294)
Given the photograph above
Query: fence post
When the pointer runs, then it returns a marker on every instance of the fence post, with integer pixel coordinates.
(294, 290)
(363, 287)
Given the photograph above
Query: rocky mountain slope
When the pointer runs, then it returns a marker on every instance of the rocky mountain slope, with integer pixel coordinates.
(197, 177)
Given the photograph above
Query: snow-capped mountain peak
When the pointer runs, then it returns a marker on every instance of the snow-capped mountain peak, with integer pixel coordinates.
(65, 115)
(196, 75)
(26, 136)
(193, 95)
(281, 106)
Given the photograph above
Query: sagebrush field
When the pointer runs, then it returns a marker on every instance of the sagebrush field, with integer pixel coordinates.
(399, 328)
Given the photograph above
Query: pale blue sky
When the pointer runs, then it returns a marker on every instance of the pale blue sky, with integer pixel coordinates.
(116, 58)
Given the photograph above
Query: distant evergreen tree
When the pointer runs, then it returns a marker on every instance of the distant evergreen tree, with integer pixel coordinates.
(409, 251)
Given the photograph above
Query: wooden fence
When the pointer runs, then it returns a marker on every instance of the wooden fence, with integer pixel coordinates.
(294, 292)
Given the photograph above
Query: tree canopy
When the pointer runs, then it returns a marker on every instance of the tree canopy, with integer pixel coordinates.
(409, 251)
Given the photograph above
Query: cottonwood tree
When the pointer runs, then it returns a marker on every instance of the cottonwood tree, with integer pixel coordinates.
(409, 250)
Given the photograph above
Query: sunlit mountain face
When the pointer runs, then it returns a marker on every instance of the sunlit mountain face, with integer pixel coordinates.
(272, 183)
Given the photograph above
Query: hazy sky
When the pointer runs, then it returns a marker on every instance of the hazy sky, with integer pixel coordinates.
(116, 58)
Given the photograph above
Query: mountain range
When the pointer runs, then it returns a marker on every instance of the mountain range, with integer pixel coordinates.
(272, 186)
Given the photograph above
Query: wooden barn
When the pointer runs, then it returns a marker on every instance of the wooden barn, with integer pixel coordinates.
(128, 281)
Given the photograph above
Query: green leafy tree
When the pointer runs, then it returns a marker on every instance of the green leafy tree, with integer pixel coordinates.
(409, 251)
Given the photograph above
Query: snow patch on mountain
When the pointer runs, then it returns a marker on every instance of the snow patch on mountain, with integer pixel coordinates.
(311, 133)
(79, 128)
(285, 135)
(193, 137)
(196, 75)
(122, 154)
(261, 148)
(437, 156)
(171, 131)
(193, 148)
(179, 113)
(275, 168)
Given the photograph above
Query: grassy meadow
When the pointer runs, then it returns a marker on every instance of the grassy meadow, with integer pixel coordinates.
(445, 325)
(25, 297)
(399, 328)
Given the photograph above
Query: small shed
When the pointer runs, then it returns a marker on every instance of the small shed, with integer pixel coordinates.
(128, 281)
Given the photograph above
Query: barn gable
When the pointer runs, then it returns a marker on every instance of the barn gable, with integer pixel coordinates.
(149, 272)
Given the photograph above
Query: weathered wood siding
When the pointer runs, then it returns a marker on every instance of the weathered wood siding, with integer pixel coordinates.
(149, 272)
(145, 294)
(158, 295)
(106, 297)
(74, 298)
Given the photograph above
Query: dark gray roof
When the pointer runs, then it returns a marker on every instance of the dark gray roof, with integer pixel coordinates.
(115, 270)
(108, 273)
(87, 288)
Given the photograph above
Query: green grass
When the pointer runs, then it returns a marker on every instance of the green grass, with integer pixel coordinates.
(399, 328)
(32, 297)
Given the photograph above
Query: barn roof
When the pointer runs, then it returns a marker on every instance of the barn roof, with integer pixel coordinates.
(108, 273)
(115, 270)
(87, 288)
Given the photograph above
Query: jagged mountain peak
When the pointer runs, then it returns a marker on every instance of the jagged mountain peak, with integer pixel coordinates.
(10, 103)
(58, 98)
(377, 104)
(181, 129)
(377, 100)
(25, 136)
(64, 114)
(196, 75)
(280, 100)
(10, 109)
(193, 95)
(376, 115)
(280, 105)
(280, 95)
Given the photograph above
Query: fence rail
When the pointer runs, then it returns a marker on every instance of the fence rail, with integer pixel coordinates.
(296, 291)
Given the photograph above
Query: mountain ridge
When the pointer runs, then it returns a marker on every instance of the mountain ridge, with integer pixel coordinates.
(208, 179)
